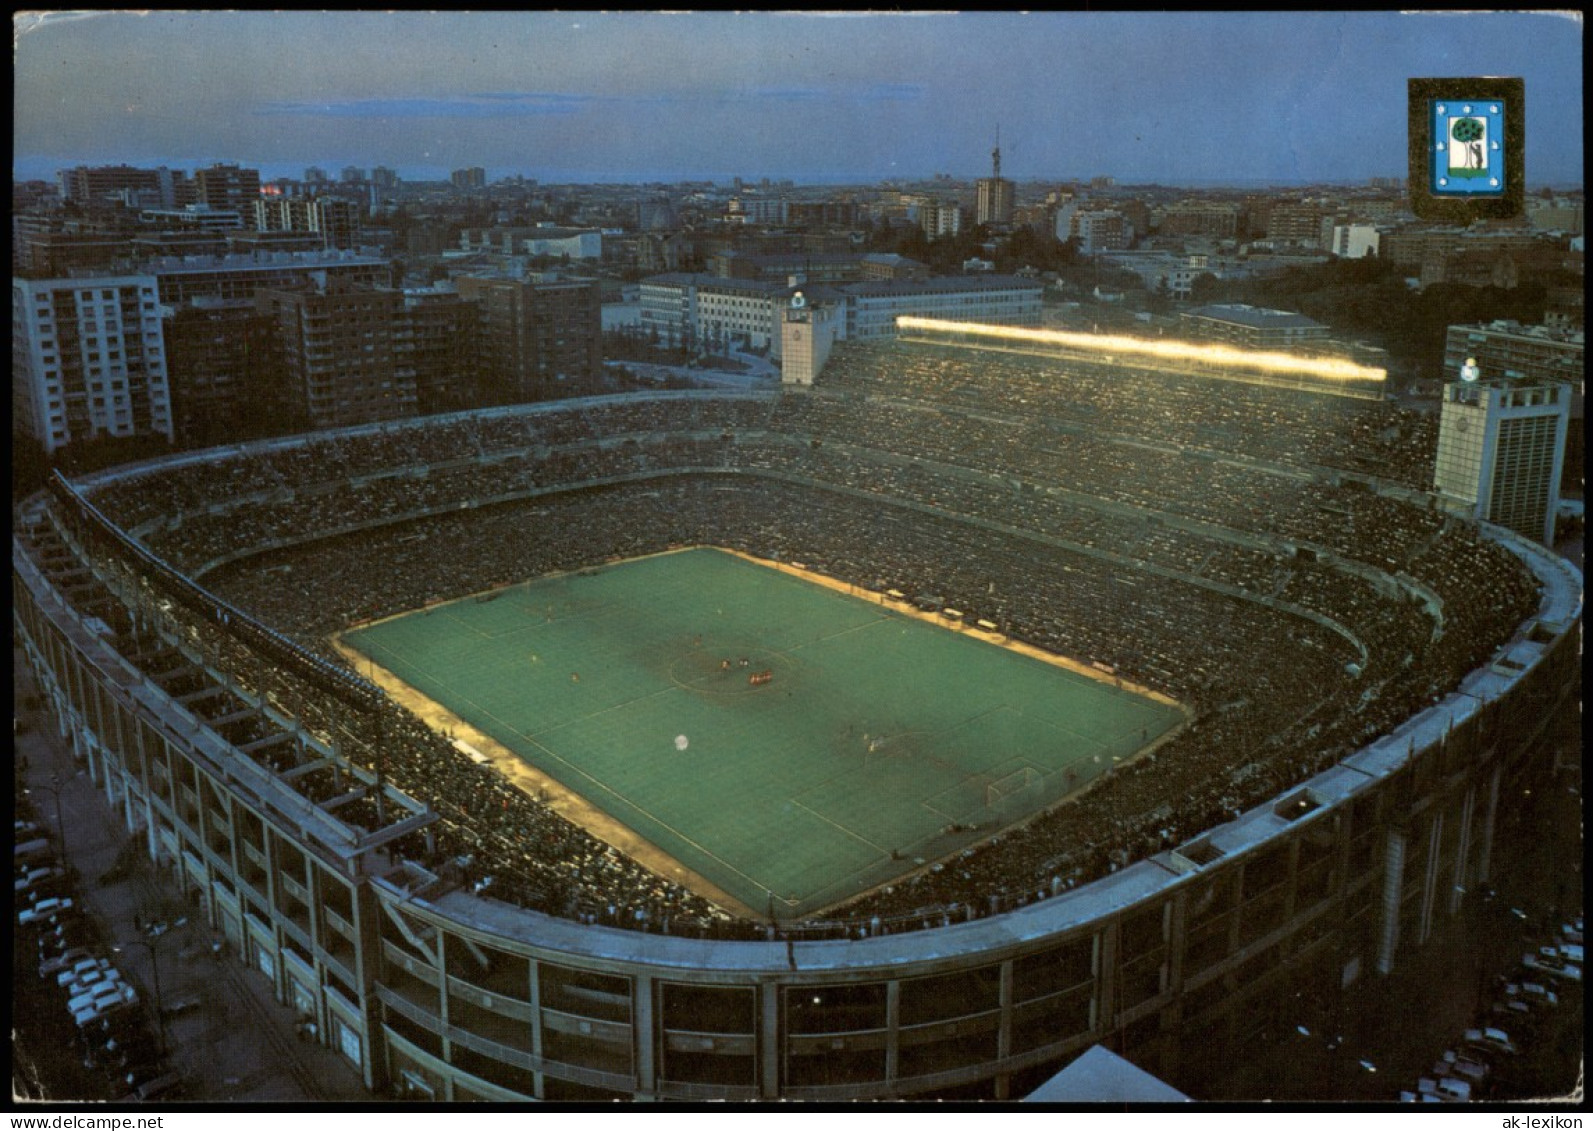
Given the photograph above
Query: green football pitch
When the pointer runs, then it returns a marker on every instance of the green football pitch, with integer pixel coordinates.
(878, 743)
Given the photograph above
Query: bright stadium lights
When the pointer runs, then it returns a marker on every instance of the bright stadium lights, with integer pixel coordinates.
(1121, 346)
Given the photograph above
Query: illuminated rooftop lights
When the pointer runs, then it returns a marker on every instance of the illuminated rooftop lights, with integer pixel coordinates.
(1118, 345)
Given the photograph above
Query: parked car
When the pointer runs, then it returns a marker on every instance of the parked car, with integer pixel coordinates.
(101, 994)
(167, 1086)
(1571, 952)
(33, 849)
(1466, 1067)
(1418, 1098)
(53, 965)
(80, 969)
(1555, 967)
(42, 910)
(1572, 931)
(1491, 1040)
(1533, 993)
(1446, 1088)
(25, 830)
(91, 981)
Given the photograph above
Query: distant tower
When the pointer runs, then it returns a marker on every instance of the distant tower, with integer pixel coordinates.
(995, 192)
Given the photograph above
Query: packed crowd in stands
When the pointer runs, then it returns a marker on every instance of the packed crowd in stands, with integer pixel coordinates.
(1105, 515)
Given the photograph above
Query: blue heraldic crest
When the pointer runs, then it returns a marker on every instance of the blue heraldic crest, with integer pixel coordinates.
(1467, 152)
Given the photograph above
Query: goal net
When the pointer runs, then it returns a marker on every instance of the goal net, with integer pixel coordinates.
(1011, 785)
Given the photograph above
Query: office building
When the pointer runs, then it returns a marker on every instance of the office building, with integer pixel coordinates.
(807, 332)
(1501, 443)
(88, 360)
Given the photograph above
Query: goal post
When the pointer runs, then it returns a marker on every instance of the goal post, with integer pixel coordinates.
(1011, 785)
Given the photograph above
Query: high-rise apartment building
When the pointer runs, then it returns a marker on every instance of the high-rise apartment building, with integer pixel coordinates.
(996, 194)
(335, 219)
(468, 179)
(228, 187)
(334, 353)
(88, 359)
(537, 340)
(1500, 448)
(224, 385)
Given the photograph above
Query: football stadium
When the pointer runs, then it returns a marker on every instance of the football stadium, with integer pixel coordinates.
(901, 736)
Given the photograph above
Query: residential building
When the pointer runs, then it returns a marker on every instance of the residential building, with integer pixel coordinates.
(86, 184)
(200, 216)
(1353, 241)
(335, 219)
(1299, 222)
(541, 240)
(1501, 443)
(334, 353)
(222, 374)
(537, 340)
(467, 180)
(995, 194)
(435, 345)
(88, 360)
(1217, 219)
(239, 276)
(940, 218)
(228, 187)
(1100, 230)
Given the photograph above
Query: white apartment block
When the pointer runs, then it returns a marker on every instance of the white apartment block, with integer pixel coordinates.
(88, 359)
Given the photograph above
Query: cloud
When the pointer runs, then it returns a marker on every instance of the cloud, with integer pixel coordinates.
(493, 104)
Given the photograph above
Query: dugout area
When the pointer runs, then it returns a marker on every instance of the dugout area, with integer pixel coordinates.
(778, 744)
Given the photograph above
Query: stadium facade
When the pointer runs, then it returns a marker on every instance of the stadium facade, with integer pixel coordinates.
(432, 989)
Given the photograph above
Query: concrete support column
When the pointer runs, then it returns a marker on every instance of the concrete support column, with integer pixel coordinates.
(1393, 884)
(642, 1026)
(1004, 1031)
(769, 1040)
(893, 1025)
(534, 996)
(1106, 978)
(1485, 858)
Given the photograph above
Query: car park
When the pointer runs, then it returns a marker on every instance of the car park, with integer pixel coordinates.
(101, 994)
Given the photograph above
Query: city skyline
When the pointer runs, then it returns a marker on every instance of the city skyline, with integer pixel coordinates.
(1201, 99)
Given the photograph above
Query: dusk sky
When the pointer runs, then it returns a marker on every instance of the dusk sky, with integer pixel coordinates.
(1176, 98)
